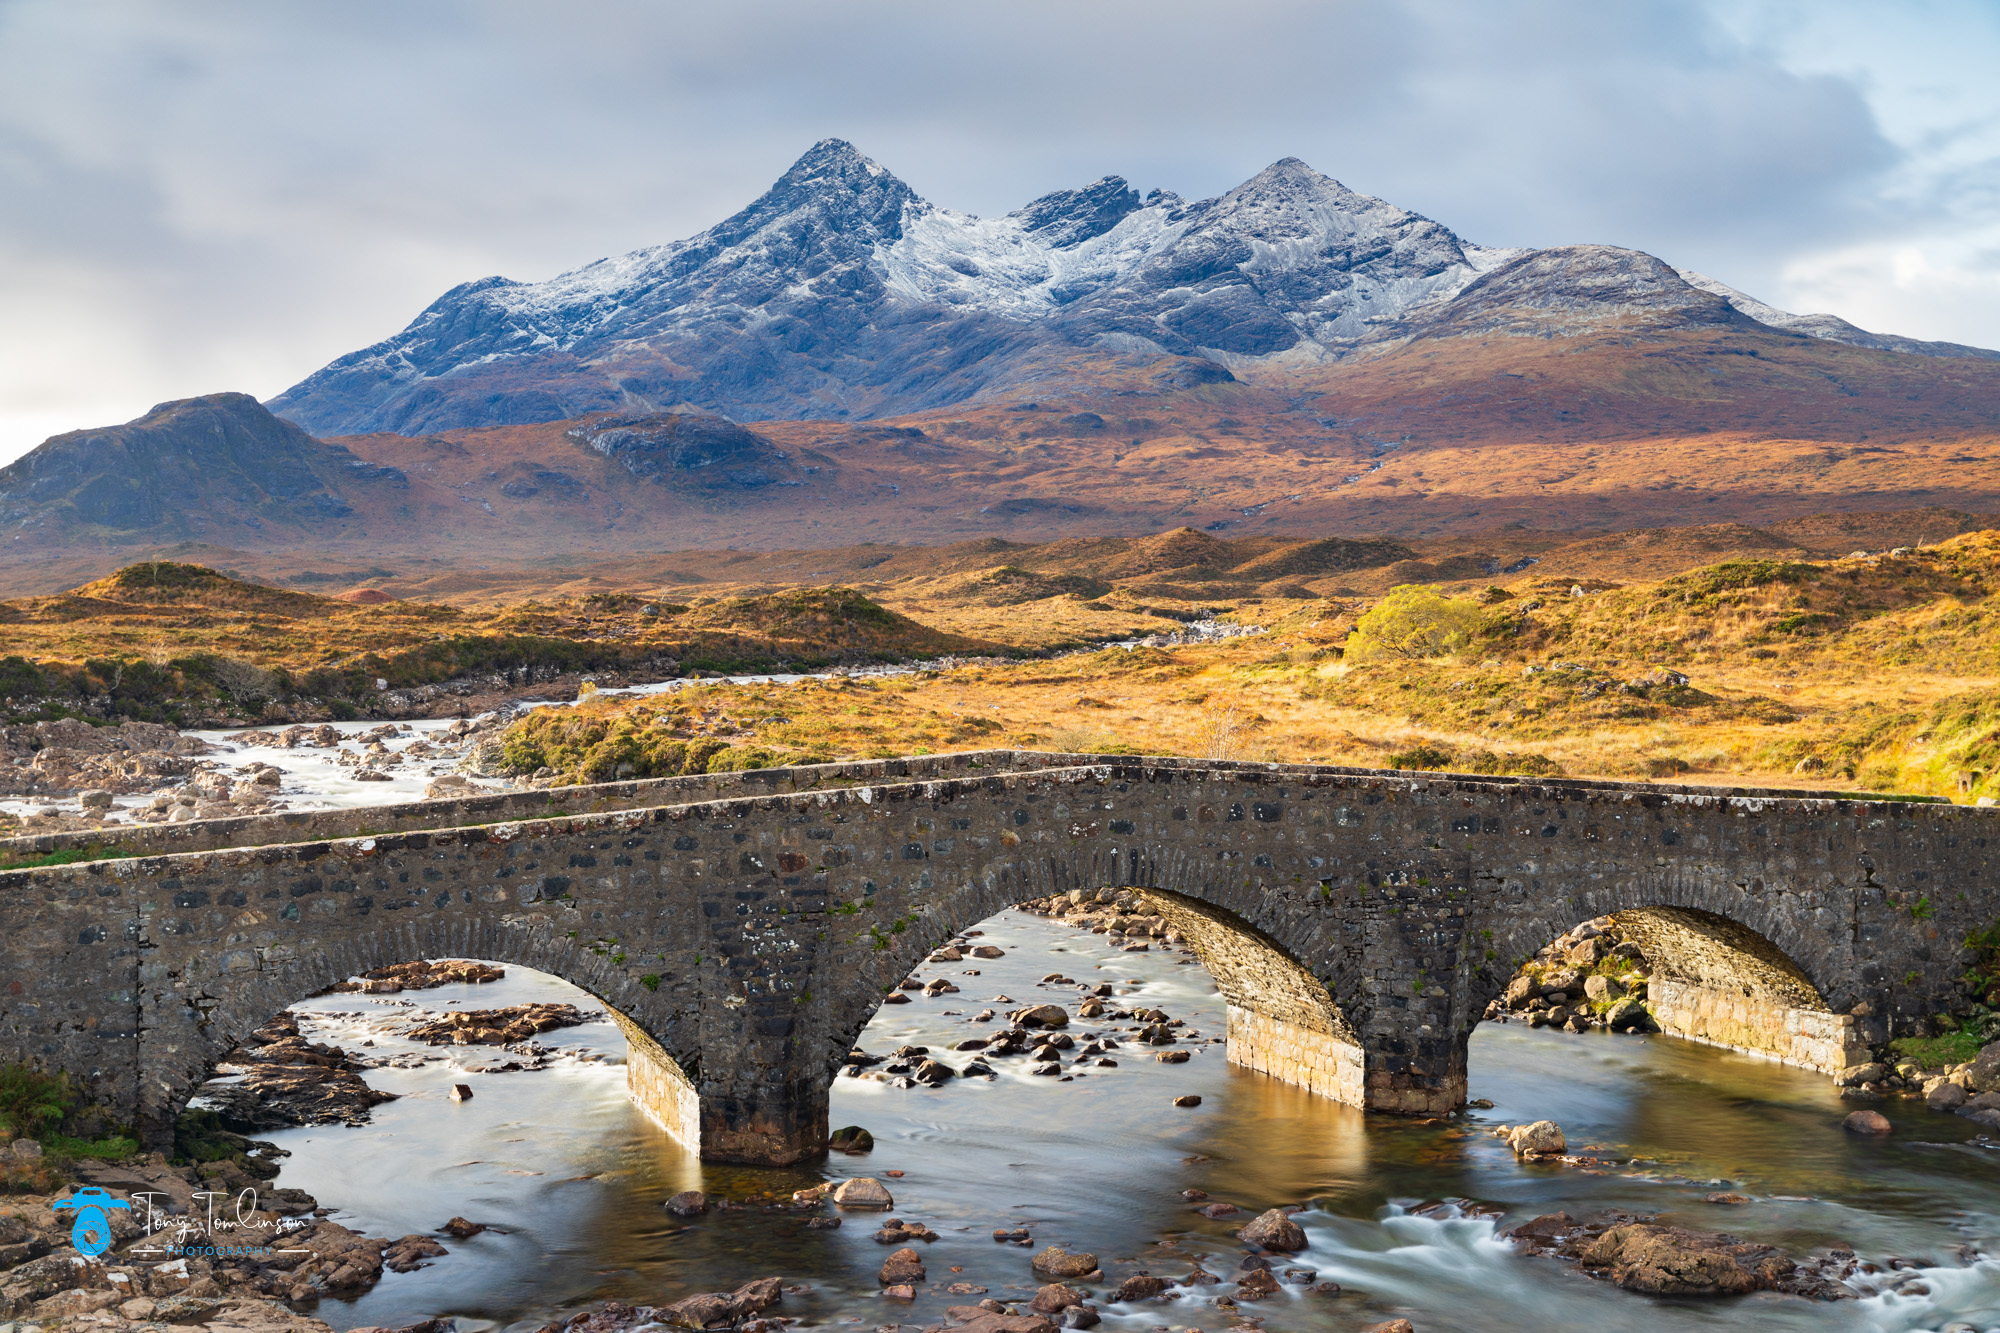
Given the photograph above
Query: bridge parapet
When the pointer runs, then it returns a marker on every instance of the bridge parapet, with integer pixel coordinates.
(749, 938)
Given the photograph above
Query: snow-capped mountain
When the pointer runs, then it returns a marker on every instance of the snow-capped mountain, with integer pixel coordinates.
(842, 293)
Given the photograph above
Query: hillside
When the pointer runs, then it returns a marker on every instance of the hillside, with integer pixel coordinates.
(182, 643)
(1877, 673)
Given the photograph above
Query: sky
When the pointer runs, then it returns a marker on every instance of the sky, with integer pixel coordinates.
(198, 195)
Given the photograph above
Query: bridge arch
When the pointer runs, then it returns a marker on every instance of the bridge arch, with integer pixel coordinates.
(197, 1024)
(1289, 990)
(1717, 979)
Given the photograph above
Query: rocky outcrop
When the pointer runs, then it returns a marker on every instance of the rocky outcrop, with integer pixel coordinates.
(68, 756)
(286, 1081)
(424, 974)
(498, 1027)
(143, 1280)
(1641, 1255)
(1592, 976)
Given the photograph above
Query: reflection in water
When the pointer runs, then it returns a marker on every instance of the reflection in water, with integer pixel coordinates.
(576, 1174)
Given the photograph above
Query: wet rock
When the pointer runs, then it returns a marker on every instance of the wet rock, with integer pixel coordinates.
(1944, 1095)
(987, 951)
(461, 1092)
(1391, 1326)
(1274, 1229)
(1984, 1073)
(1171, 1057)
(895, 1232)
(1729, 1200)
(1187, 1101)
(1542, 1138)
(1080, 1316)
(1627, 1015)
(719, 1310)
(1041, 1016)
(427, 973)
(1060, 1263)
(863, 1192)
(933, 1073)
(1855, 1075)
(498, 1027)
(1672, 1261)
(1256, 1284)
(904, 1266)
(1140, 1287)
(462, 1228)
(1054, 1298)
(287, 1082)
(408, 1254)
(852, 1140)
(1220, 1210)
(992, 1321)
(1867, 1122)
(688, 1203)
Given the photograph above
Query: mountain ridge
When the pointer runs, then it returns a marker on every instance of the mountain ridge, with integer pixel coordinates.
(841, 293)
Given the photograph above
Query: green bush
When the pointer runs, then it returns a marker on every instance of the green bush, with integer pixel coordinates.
(1415, 622)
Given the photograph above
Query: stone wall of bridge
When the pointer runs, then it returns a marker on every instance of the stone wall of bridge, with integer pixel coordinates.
(750, 938)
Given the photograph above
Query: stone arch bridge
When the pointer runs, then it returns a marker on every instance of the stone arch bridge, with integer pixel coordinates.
(744, 927)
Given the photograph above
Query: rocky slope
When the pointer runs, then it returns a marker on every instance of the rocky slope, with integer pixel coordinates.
(217, 467)
(841, 293)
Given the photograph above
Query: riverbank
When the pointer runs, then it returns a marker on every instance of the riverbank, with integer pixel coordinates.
(572, 1177)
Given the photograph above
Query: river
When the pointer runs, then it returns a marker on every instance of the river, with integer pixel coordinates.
(574, 1175)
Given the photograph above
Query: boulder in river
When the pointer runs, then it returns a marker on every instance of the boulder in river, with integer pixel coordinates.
(497, 1027)
(723, 1310)
(1060, 1263)
(863, 1192)
(1274, 1229)
(1542, 1138)
(852, 1139)
(1672, 1261)
(1041, 1016)
(1640, 1254)
(1140, 1287)
(1868, 1122)
(905, 1266)
(1392, 1326)
(288, 1081)
(688, 1203)
(1055, 1297)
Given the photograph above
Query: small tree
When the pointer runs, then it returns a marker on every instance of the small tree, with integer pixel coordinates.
(1414, 622)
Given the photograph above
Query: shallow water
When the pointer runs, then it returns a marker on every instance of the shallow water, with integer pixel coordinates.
(564, 1162)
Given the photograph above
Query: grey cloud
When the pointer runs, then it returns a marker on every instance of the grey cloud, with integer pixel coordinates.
(271, 186)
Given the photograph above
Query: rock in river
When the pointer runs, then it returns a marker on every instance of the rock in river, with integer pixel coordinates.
(1543, 1137)
(863, 1192)
(1059, 1263)
(905, 1266)
(1868, 1122)
(1274, 1229)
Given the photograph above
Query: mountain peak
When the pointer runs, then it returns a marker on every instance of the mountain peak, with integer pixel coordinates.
(849, 192)
(1069, 217)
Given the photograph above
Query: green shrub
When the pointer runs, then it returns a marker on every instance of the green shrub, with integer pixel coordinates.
(1414, 622)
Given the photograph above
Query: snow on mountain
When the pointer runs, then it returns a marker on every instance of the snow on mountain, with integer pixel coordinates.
(1830, 327)
(842, 293)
